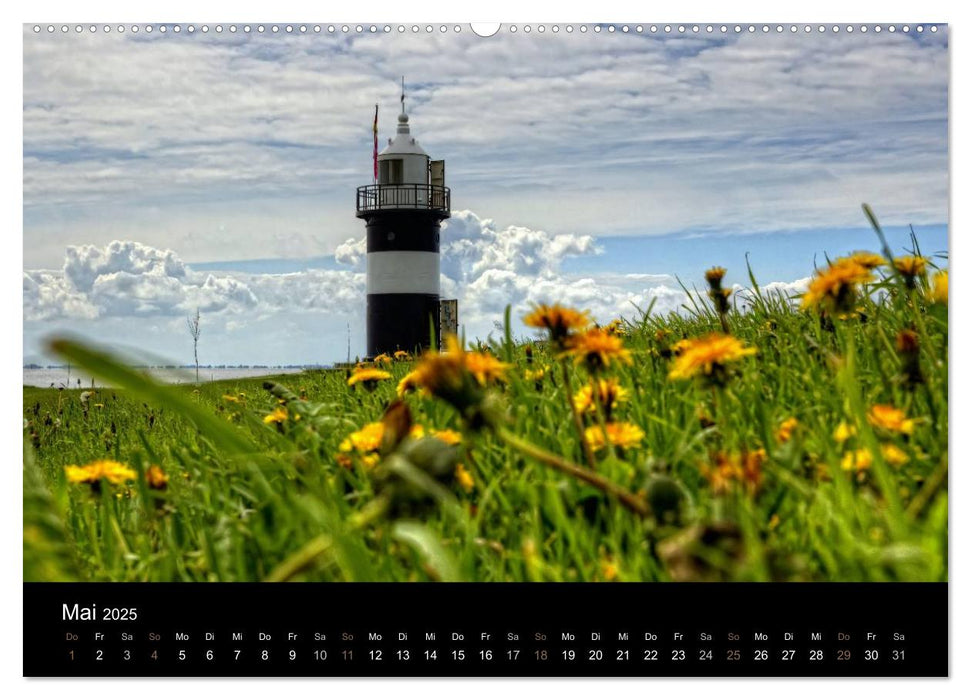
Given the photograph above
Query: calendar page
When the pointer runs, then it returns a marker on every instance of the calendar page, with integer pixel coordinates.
(524, 349)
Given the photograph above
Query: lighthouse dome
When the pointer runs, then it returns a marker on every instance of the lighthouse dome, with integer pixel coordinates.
(403, 142)
(403, 161)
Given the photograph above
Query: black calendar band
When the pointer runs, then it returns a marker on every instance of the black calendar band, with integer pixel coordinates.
(510, 629)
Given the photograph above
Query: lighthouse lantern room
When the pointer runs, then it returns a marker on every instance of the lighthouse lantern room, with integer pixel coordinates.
(403, 212)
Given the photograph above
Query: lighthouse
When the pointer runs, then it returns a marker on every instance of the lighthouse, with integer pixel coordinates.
(403, 212)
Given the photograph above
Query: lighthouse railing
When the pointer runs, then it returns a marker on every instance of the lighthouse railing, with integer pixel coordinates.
(407, 196)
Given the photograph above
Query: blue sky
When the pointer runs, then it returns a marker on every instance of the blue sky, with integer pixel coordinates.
(168, 172)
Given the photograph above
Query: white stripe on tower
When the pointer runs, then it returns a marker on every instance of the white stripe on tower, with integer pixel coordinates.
(403, 272)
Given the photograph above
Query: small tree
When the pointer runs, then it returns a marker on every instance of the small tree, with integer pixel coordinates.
(193, 324)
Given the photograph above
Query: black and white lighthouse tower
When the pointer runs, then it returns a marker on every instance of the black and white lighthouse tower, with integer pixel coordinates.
(403, 211)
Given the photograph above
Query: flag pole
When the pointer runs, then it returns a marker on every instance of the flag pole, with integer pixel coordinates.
(375, 155)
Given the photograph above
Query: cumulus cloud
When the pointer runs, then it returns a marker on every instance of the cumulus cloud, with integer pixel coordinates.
(352, 252)
(306, 315)
(129, 279)
(484, 266)
(49, 295)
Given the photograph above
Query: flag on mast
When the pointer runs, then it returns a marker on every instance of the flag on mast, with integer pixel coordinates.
(375, 143)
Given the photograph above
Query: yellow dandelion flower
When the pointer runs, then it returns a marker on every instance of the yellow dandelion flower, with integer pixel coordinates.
(597, 349)
(707, 356)
(609, 392)
(115, 472)
(367, 439)
(448, 436)
(843, 432)
(107, 469)
(401, 355)
(485, 368)
(858, 460)
(156, 478)
(367, 375)
(714, 276)
(865, 258)
(682, 345)
(278, 416)
(560, 321)
(910, 265)
(409, 382)
(383, 358)
(458, 376)
(534, 375)
(230, 398)
(443, 374)
(890, 418)
(895, 456)
(78, 475)
(786, 428)
(835, 287)
(726, 469)
(938, 291)
(623, 435)
(416, 432)
(463, 478)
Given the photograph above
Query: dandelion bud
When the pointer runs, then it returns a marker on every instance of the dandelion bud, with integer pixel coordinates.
(908, 347)
(720, 298)
(397, 425)
(414, 478)
(156, 478)
(907, 342)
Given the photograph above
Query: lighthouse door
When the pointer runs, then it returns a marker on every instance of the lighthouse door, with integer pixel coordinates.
(436, 170)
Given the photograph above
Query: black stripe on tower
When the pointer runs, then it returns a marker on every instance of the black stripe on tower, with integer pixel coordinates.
(403, 230)
(400, 322)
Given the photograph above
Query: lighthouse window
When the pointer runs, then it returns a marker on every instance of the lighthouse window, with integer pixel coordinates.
(396, 172)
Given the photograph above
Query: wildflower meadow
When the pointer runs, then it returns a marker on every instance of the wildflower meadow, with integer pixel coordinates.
(750, 437)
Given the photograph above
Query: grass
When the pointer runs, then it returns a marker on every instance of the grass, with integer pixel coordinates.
(713, 492)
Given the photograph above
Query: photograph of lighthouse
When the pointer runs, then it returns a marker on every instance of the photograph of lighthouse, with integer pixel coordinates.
(675, 311)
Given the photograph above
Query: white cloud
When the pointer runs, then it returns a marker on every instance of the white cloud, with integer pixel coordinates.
(352, 253)
(144, 293)
(127, 278)
(484, 266)
(48, 295)
(620, 134)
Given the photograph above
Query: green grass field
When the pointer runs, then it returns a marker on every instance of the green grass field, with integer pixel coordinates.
(720, 485)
